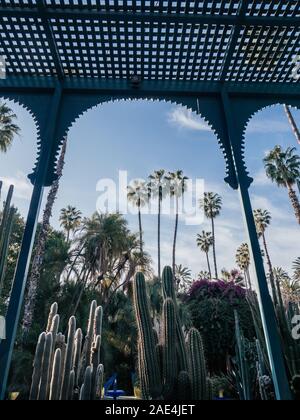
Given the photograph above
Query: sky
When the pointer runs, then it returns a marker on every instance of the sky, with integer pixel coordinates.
(140, 137)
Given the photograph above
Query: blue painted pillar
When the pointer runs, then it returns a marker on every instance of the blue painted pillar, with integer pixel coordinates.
(19, 284)
(267, 310)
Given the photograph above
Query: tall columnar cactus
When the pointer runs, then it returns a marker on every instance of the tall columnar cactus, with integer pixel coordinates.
(6, 224)
(169, 292)
(169, 368)
(148, 352)
(245, 377)
(170, 373)
(197, 365)
(68, 370)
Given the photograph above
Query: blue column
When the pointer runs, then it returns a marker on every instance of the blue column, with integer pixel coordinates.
(19, 284)
(267, 310)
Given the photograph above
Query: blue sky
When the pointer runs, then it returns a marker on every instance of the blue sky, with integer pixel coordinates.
(143, 136)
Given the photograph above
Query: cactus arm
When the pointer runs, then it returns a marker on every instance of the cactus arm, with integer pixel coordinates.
(45, 369)
(55, 380)
(68, 359)
(37, 365)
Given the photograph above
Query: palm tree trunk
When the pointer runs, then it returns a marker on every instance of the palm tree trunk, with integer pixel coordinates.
(141, 231)
(214, 247)
(68, 235)
(158, 237)
(208, 265)
(249, 279)
(270, 270)
(295, 202)
(38, 258)
(175, 239)
(292, 123)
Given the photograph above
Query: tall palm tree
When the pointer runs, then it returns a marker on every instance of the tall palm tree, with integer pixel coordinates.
(177, 188)
(243, 261)
(292, 122)
(138, 194)
(262, 220)
(212, 205)
(8, 127)
(296, 268)
(204, 242)
(157, 188)
(70, 220)
(283, 168)
(38, 257)
(203, 275)
(289, 287)
(183, 277)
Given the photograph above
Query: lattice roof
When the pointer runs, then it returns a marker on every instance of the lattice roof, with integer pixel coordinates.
(209, 40)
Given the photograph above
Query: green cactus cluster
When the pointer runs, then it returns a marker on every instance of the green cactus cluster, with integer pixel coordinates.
(249, 367)
(69, 369)
(171, 366)
(286, 314)
(6, 224)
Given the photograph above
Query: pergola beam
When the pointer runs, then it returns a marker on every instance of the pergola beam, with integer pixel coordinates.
(23, 84)
(128, 16)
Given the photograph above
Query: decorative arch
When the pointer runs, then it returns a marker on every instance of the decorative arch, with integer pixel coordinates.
(71, 109)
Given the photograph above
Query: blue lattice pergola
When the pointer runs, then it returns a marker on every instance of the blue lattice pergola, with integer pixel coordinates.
(223, 59)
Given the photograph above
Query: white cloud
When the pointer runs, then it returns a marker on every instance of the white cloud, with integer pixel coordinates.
(261, 179)
(23, 188)
(262, 202)
(185, 118)
(267, 125)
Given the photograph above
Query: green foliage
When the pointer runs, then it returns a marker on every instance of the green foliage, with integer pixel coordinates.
(212, 313)
(6, 225)
(169, 368)
(8, 127)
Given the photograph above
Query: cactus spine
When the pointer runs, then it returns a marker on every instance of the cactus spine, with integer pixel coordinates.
(182, 363)
(58, 364)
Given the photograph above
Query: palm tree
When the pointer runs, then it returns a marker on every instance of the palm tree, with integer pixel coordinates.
(183, 278)
(212, 204)
(296, 268)
(292, 122)
(38, 258)
(290, 288)
(177, 188)
(138, 195)
(283, 168)
(70, 220)
(157, 188)
(243, 261)
(8, 128)
(204, 242)
(203, 275)
(262, 220)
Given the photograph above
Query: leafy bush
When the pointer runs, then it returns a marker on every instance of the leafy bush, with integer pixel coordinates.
(212, 305)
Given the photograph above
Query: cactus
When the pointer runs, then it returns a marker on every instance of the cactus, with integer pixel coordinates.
(68, 364)
(169, 368)
(37, 367)
(147, 350)
(197, 365)
(55, 377)
(169, 292)
(169, 350)
(58, 364)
